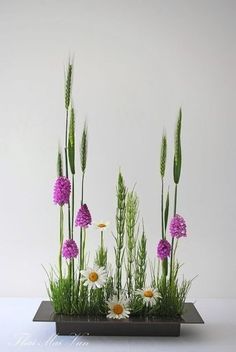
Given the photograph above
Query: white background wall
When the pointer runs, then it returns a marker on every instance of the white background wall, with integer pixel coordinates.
(136, 62)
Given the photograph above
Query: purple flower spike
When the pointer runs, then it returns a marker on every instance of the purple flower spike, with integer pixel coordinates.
(83, 218)
(178, 227)
(163, 249)
(61, 193)
(70, 249)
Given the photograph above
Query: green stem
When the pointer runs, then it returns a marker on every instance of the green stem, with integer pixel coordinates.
(69, 227)
(172, 241)
(119, 279)
(162, 209)
(82, 189)
(176, 245)
(61, 242)
(81, 230)
(102, 240)
(66, 162)
(66, 141)
(175, 203)
(72, 227)
(81, 252)
(70, 280)
(118, 268)
(83, 248)
(101, 255)
(165, 261)
(73, 205)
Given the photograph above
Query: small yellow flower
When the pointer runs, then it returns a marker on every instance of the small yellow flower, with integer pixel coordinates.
(102, 225)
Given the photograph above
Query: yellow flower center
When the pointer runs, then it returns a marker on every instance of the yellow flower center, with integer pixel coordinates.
(101, 226)
(148, 294)
(118, 309)
(93, 276)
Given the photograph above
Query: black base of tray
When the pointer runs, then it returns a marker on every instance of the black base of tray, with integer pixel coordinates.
(74, 325)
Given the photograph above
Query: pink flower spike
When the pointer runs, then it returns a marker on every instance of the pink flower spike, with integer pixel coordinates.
(83, 218)
(178, 227)
(61, 193)
(70, 249)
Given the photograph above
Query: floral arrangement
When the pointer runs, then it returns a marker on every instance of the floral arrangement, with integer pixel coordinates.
(133, 286)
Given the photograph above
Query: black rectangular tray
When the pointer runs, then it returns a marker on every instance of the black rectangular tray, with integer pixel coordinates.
(75, 325)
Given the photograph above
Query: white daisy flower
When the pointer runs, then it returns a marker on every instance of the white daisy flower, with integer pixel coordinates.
(94, 277)
(149, 295)
(101, 225)
(118, 308)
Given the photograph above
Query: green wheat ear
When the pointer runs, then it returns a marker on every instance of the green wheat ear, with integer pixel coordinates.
(178, 154)
(68, 83)
(84, 148)
(166, 212)
(71, 141)
(59, 164)
(163, 155)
